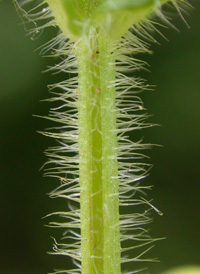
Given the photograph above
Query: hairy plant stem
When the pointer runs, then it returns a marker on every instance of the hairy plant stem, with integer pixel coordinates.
(100, 235)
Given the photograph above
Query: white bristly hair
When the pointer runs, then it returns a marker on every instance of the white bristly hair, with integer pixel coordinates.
(63, 159)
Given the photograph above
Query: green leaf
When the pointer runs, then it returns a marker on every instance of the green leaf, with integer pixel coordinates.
(75, 19)
(113, 17)
(67, 17)
(116, 16)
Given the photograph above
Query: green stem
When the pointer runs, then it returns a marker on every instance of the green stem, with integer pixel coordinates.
(100, 236)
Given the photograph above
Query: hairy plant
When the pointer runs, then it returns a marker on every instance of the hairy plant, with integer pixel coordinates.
(97, 165)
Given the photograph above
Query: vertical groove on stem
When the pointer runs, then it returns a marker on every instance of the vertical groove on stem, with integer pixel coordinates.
(100, 237)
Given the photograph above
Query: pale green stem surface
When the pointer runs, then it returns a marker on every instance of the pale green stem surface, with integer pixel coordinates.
(100, 236)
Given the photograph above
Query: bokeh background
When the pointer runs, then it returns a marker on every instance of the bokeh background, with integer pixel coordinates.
(174, 103)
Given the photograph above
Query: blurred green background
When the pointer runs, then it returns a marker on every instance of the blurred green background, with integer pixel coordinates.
(175, 70)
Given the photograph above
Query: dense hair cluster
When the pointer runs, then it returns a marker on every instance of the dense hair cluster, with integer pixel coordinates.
(63, 159)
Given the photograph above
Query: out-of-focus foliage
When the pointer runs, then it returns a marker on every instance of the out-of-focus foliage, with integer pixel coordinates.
(184, 270)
